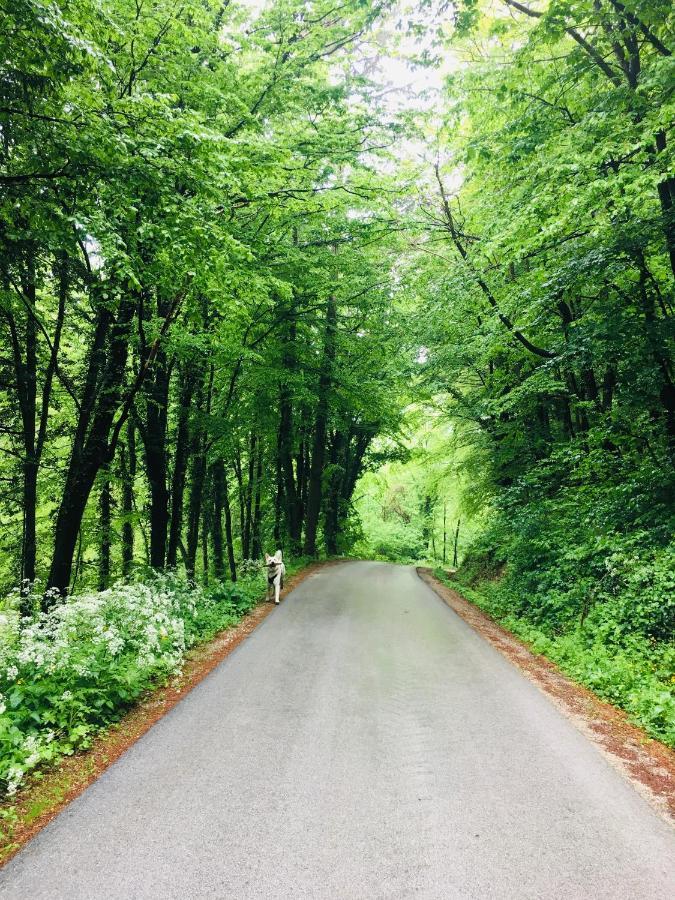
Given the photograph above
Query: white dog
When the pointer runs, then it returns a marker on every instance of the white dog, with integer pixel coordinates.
(275, 574)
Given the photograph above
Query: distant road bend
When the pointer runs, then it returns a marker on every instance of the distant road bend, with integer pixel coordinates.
(364, 742)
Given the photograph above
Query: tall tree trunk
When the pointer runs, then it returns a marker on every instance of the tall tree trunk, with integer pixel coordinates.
(240, 497)
(256, 537)
(206, 530)
(228, 529)
(91, 447)
(128, 474)
(454, 552)
(194, 508)
(334, 494)
(248, 501)
(105, 526)
(445, 532)
(278, 497)
(320, 429)
(154, 440)
(30, 462)
(218, 484)
(285, 444)
(197, 487)
(180, 463)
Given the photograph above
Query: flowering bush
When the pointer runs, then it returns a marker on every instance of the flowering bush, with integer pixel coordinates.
(76, 668)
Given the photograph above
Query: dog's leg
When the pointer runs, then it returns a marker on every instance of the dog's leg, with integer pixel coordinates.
(276, 588)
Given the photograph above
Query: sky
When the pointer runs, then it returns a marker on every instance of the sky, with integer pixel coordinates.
(390, 52)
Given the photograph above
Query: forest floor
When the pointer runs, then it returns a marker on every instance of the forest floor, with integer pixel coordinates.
(647, 763)
(48, 792)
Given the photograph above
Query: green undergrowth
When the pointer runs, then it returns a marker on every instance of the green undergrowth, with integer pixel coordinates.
(631, 670)
(69, 673)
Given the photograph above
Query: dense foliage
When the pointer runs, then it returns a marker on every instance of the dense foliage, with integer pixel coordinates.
(194, 267)
(546, 268)
(75, 668)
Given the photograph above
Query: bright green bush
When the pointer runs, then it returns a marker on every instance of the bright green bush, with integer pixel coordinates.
(606, 617)
(77, 668)
(578, 560)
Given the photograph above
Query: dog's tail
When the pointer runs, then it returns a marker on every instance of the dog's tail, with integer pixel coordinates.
(278, 556)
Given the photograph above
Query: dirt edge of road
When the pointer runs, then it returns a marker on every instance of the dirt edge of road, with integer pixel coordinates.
(32, 808)
(646, 763)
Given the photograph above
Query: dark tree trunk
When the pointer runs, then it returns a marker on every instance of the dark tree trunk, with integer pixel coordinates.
(91, 448)
(197, 487)
(105, 526)
(128, 474)
(304, 463)
(256, 546)
(248, 502)
(608, 386)
(445, 532)
(218, 484)
(354, 463)
(666, 189)
(334, 494)
(154, 440)
(285, 443)
(454, 552)
(278, 498)
(228, 530)
(427, 510)
(194, 508)
(320, 429)
(180, 464)
(206, 529)
(30, 462)
(240, 497)
(25, 383)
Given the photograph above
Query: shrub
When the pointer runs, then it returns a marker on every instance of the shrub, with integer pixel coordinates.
(75, 669)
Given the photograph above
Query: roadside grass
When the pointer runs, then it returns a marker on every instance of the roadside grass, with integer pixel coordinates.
(70, 679)
(636, 676)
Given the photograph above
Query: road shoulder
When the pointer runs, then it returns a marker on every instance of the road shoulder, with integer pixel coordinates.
(646, 763)
(49, 792)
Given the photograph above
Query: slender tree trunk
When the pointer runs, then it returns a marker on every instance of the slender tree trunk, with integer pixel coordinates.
(30, 462)
(256, 548)
(666, 190)
(218, 484)
(197, 488)
(248, 500)
(285, 444)
(320, 430)
(241, 498)
(333, 494)
(105, 526)
(206, 529)
(445, 532)
(194, 508)
(278, 497)
(78, 561)
(454, 553)
(180, 464)
(154, 439)
(228, 529)
(89, 453)
(128, 474)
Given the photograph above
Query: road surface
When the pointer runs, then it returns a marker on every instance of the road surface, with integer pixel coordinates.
(364, 742)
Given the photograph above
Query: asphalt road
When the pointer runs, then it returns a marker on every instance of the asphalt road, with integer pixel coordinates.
(364, 742)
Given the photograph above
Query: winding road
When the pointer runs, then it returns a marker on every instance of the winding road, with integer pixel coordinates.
(364, 742)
